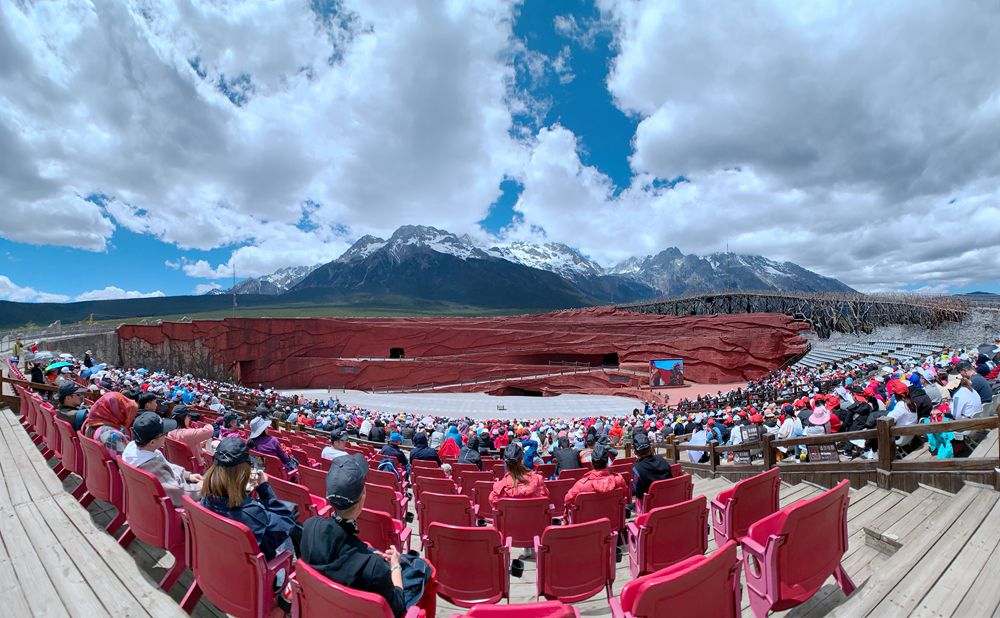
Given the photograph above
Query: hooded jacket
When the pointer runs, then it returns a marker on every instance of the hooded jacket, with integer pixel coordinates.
(422, 452)
(269, 519)
(470, 453)
(566, 459)
(596, 481)
(647, 470)
(332, 547)
(921, 401)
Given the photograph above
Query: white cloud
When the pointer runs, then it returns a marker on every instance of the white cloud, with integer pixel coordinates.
(13, 292)
(113, 293)
(205, 288)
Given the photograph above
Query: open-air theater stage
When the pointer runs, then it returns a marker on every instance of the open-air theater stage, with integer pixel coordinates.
(599, 351)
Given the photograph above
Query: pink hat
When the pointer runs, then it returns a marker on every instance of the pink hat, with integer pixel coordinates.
(821, 416)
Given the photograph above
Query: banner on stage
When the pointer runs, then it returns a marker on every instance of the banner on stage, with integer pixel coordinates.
(666, 373)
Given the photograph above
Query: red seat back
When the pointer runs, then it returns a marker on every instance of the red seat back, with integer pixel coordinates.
(72, 456)
(179, 453)
(522, 519)
(748, 501)
(313, 479)
(498, 468)
(576, 473)
(557, 493)
(471, 563)
(51, 432)
(272, 466)
(669, 534)
(576, 561)
(668, 491)
(227, 563)
(151, 515)
(386, 479)
(308, 505)
(451, 509)
(481, 499)
(423, 464)
(101, 474)
(385, 499)
(433, 485)
(458, 469)
(545, 609)
(379, 530)
(467, 480)
(676, 470)
(546, 470)
(698, 586)
(591, 506)
(318, 597)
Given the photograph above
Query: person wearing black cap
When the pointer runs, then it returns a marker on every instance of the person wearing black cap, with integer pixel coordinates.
(71, 407)
(648, 468)
(599, 480)
(149, 433)
(224, 491)
(332, 547)
(336, 447)
(147, 401)
(519, 482)
(194, 437)
(228, 426)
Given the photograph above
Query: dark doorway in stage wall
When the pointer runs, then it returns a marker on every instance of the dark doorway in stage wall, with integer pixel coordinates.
(396, 353)
(610, 360)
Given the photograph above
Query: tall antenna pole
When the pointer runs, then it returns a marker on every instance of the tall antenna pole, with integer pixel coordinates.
(234, 289)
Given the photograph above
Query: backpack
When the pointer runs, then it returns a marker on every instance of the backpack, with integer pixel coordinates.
(387, 465)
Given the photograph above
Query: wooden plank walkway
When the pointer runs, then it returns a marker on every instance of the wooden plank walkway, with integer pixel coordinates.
(55, 562)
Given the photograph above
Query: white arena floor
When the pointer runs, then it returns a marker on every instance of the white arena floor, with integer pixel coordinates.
(481, 406)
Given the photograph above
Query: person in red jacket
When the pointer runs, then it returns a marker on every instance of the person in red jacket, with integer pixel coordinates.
(519, 482)
(600, 480)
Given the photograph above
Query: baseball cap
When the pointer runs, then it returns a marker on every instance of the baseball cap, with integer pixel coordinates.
(346, 480)
(513, 452)
(395, 437)
(336, 435)
(229, 417)
(149, 426)
(602, 452)
(145, 398)
(231, 452)
(640, 442)
(67, 389)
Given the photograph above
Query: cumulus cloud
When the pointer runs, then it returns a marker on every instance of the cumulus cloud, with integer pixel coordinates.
(113, 293)
(23, 294)
(822, 134)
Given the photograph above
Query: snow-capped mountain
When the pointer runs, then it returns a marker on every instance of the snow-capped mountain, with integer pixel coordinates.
(278, 282)
(552, 256)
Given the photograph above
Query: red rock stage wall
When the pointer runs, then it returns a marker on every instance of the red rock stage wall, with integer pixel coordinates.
(352, 353)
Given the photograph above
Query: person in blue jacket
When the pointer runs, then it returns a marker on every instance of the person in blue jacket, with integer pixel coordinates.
(530, 448)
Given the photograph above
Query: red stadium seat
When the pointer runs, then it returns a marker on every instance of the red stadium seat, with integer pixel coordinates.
(698, 586)
(385, 499)
(54, 441)
(387, 479)
(676, 470)
(457, 469)
(299, 495)
(666, 492)
(314, 479)
(790, 554)
(228, 565)
(315, 596)
(273, 466)
(424, 485)
(472, 563)
(481, 500)
(591, 506)
(544, 609)
(745, 503)
(424, 464)
(667, 535)
(576, 561)
(103, 480)
(381, 531)
(451, 509)
(153, 519)
(179, 453)
(522, 519)
(468, 479)
(547, 470)
(576, 473)
(73, 459)
(557, 495)
(498, 468)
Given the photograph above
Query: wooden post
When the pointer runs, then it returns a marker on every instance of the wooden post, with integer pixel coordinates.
(886, 451)
(768, 451)
(713, 458)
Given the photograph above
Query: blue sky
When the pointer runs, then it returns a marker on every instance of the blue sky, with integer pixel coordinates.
(276, 134)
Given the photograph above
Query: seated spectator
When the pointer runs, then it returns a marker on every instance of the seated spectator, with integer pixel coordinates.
(600, 479)
(588, 450)
(393, 451)
(377, 433)
(71, 402)
(262, 442)
(194, 437)
(449, 449)
(422, 452)
(519, 481)
(336, 447)
(965, 402)
(107, 421)
(148, 402)
(977, 382)
(224, 491)
(228, 427)
(332, 547)
(819, 421)
(648, 468)
(149, 433)
(470, 452)
(565, 456)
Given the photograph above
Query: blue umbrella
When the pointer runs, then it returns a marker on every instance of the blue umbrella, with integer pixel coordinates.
(86, 373)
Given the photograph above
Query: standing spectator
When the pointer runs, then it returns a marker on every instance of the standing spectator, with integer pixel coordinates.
(519, 482)
(600, 479)
(88, 362)
(530, 448)
(648, 468)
